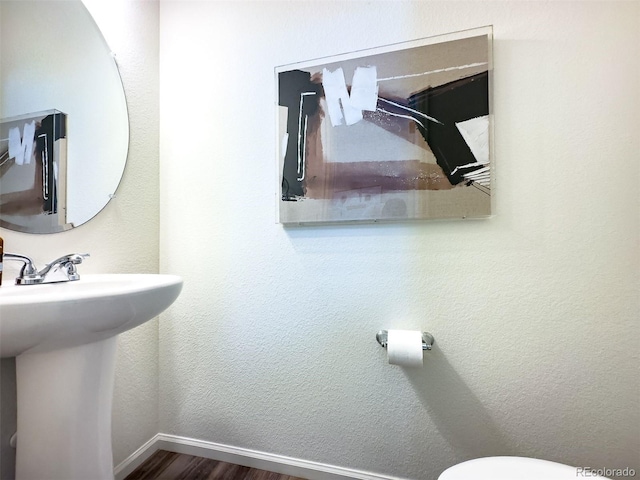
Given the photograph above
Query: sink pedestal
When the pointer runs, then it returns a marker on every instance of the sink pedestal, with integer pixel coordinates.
(63, 336)
(64, 413)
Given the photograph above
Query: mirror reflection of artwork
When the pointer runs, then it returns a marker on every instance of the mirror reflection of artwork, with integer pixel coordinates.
(53, 55)
(33, 165)
(399, 132)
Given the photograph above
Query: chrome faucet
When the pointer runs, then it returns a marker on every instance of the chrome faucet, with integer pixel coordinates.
(62, 269)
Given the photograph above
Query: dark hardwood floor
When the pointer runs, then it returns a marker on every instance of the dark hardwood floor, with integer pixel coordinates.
(164, 465)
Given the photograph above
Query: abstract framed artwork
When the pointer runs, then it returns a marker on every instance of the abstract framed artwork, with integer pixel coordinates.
(33, 172)
(401, 132)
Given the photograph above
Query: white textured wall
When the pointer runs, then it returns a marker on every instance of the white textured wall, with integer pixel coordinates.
(123, 238)
(132, 28)
(535, 312)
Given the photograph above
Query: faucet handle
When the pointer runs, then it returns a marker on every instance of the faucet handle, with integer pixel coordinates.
(74, 258)
(28, 273)
(67, 264)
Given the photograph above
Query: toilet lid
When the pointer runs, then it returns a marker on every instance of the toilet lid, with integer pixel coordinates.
(512, 468)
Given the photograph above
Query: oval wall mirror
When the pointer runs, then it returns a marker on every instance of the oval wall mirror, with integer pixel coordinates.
(64, 128)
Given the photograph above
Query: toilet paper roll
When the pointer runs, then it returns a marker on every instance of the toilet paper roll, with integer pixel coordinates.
(404, 348)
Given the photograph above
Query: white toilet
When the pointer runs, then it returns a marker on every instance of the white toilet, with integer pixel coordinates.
(514, 468)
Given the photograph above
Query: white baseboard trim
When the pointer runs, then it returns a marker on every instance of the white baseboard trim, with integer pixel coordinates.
(241, 456)
(136, 459)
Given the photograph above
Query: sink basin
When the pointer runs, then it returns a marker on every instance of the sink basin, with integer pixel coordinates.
(64, 338)
(514, 468)
(39, 318)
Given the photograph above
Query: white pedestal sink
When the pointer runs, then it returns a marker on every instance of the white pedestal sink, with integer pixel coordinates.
(63, 336)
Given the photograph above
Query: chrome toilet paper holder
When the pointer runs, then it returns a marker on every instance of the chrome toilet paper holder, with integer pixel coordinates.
(427, 339)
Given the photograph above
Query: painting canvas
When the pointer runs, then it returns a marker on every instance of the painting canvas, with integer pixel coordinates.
(33, 171)
(393, 133)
